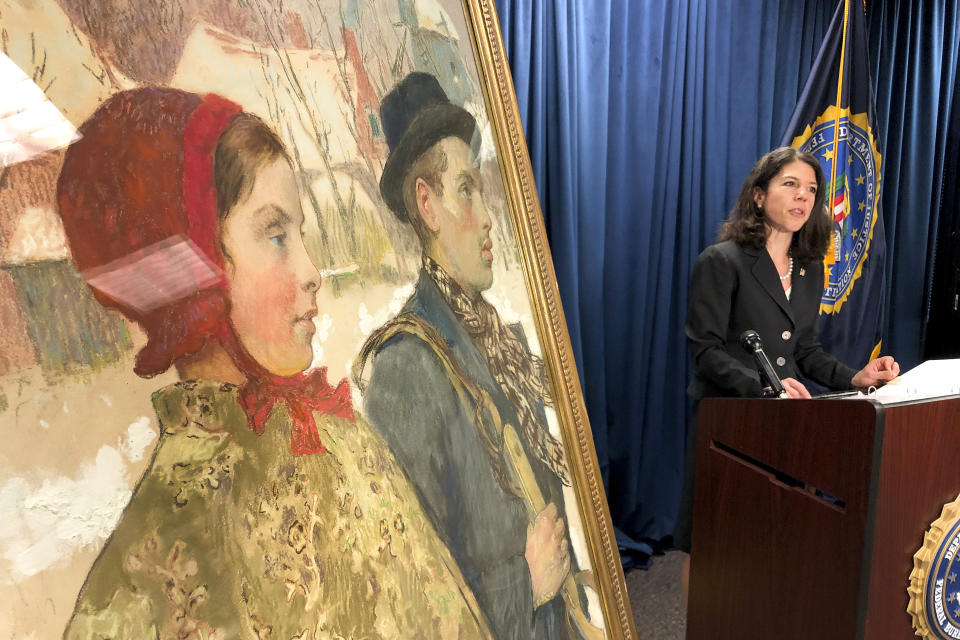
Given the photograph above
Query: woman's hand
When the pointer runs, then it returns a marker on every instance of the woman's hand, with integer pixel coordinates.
(794, 388)
(877, 373)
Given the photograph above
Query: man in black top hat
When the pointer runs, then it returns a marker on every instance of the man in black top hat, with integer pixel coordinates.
(447, 375)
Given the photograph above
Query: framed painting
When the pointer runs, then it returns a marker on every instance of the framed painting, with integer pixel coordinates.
(281, 347)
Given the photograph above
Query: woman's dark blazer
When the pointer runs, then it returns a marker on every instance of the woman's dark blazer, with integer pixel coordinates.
(736, 288)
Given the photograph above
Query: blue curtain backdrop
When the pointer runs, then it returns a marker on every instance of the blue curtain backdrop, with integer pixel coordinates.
(642, 119)
(915, 47)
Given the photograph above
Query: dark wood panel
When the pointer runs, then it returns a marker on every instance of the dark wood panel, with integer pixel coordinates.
(825, 443)
(919, 474)
(771, 557)
(773, 560)
(776, 556)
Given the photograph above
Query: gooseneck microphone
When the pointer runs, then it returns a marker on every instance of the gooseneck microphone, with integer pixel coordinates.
(770, 385)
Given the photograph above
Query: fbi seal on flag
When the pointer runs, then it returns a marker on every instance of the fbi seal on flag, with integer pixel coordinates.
(934, 588)
(844, 144)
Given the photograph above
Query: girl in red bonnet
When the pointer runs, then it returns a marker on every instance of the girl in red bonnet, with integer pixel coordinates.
(269, 508)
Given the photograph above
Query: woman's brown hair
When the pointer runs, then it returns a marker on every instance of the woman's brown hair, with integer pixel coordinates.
(745, 224)
(245, 147)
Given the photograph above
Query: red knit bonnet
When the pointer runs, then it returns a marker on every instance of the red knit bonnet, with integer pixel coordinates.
(139, 207)
(140, 176)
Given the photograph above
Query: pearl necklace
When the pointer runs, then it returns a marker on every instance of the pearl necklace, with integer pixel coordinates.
(789, 271)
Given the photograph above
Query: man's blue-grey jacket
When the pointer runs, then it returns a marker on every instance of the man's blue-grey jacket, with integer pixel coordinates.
(413, 402)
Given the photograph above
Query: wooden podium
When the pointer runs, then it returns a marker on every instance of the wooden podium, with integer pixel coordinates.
(807, 514)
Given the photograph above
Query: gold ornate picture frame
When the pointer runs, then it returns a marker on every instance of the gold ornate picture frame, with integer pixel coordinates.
(97, 278)
(552, 328)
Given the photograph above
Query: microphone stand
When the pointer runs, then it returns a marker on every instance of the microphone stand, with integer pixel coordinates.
(770, 385)
(768, 390)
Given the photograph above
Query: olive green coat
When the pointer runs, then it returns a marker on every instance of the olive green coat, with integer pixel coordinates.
(230, 535)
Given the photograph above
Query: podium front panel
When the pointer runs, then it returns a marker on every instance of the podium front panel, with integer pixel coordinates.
(781, 515)
(807, 514)
(919, 474)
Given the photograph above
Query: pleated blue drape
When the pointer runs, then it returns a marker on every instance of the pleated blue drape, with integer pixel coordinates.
(915, 47)
(642, 119)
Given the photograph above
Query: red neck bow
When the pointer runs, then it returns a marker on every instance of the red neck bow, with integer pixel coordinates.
(302, 394)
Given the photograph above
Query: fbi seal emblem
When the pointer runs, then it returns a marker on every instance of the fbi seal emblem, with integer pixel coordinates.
(934, 588)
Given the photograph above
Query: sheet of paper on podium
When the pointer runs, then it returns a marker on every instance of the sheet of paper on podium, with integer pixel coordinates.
(930, 379)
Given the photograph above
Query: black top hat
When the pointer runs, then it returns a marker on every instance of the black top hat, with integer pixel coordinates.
(416, 114)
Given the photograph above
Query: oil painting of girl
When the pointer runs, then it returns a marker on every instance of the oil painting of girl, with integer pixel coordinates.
(269, 509)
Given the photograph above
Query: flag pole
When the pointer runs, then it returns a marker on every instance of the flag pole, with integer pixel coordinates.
(836, 139)
(876, 349)
(836, 122)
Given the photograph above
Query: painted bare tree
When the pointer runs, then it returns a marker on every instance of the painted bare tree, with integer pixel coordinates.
(367, 235)
(142, 39)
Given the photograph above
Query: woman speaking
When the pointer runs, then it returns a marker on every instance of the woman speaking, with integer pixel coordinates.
(765, 274)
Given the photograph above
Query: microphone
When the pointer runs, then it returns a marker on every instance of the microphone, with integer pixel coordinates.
(771, 387)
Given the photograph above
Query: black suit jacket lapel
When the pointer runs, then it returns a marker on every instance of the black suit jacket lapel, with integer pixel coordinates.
(766, 274)
(805, 284)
